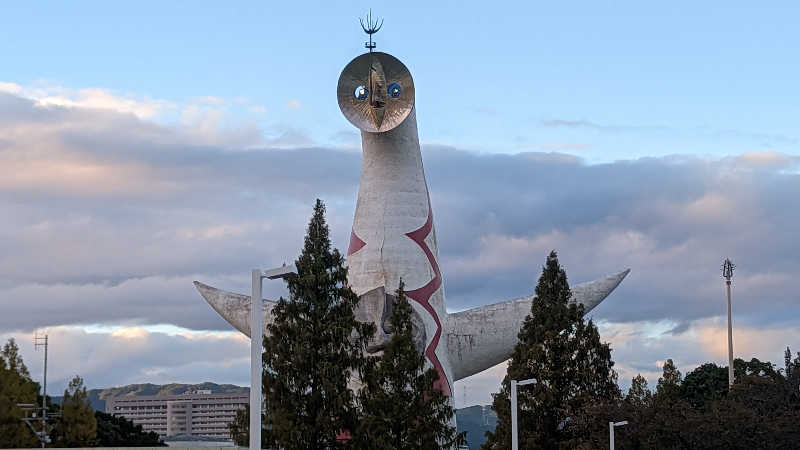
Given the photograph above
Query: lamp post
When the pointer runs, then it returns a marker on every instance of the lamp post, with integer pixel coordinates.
(514, 431)
(611, 426)
(256, 333)
(727, 273)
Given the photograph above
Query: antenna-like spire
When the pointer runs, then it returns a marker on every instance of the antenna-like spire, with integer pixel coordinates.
(727, 270)
(370, 28)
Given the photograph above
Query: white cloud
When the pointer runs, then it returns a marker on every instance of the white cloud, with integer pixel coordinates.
(11, 88)
(95, 98)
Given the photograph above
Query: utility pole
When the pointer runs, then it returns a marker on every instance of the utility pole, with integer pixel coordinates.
(41, 341)
(727, 273)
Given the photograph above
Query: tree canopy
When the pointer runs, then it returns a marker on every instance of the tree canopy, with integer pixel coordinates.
(16, 387)
(572, 368)
(77, 426)
(314, 348)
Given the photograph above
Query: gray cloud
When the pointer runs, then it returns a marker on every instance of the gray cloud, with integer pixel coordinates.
(113, 216)
(108, 218)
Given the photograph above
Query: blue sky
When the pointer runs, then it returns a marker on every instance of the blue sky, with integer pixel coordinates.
(599, 80)
(146, 146)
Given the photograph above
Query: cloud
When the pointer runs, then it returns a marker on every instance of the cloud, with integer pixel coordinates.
(10, 88)
(766, 160)
(294, 104)
(136, 355)
(94, 98)
(109, 217)
(563, 147)
(587, 124)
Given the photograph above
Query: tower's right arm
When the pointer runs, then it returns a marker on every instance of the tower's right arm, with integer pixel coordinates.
(482, 337)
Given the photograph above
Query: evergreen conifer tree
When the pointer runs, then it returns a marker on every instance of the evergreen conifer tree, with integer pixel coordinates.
(16, 387)
(639, 395)
(315, 346)
(77, 426)
(401, 408)
(669, 385)
(564, 354)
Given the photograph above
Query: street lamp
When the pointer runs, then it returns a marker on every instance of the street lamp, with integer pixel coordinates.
(611, 426)
(256, 333)
(727, 273)
(514, 431)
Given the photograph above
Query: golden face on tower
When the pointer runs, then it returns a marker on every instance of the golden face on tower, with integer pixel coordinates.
(375, 92)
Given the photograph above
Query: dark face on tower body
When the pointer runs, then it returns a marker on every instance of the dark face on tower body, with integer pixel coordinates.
(376, 307)
(376, 92)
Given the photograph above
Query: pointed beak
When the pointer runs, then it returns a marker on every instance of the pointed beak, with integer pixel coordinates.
(377, 93)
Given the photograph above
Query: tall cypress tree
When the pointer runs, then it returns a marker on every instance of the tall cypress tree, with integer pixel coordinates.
(77, 426)
(401, 408)
(314, 348)
(564, 354)
(639, 395)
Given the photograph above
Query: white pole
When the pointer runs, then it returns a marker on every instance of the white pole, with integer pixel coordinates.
(611, 426)
(611, 435)
(514, 437)
(730, 337)
(256, 333)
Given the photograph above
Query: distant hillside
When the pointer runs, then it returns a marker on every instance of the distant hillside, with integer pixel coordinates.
(471, 420)
(98, 397)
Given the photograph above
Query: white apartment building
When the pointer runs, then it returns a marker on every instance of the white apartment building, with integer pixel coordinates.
(195, 413)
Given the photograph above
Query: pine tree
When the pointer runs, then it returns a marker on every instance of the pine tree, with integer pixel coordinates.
(314, 348)
(787, 362)
(400, 406)
(77, 426)
(564, 354)
(669, 385)
(16, 387)
(639, 395)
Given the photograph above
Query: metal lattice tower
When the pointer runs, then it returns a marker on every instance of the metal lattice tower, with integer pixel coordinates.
(727, 273)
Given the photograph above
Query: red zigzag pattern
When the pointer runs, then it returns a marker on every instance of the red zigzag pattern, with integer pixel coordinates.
(423, 297)
(423, 294)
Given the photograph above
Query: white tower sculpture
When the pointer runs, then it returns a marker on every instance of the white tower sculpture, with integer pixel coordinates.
(393, 237)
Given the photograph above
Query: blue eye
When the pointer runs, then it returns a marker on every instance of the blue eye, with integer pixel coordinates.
(395, 90)
(361, 93)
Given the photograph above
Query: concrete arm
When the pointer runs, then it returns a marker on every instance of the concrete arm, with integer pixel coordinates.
(235, 308)
(480, 338)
